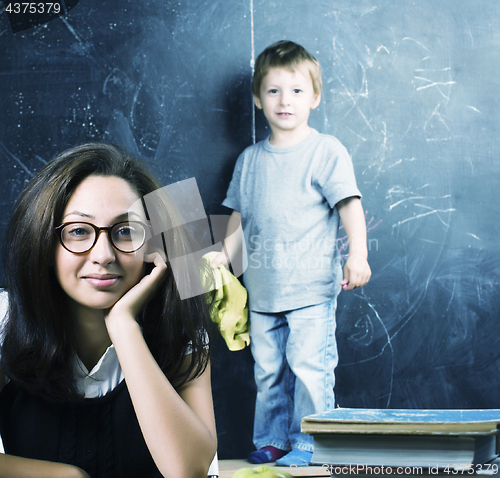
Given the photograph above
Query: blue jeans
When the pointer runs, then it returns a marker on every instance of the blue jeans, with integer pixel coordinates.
(295, 355)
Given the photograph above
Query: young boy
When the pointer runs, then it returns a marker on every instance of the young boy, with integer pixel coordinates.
(289, 191)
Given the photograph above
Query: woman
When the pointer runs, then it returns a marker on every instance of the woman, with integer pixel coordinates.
(104, 370)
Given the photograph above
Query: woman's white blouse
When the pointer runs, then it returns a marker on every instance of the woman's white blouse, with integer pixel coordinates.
(103, 378)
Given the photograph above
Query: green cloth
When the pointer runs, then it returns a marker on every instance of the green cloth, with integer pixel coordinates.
(229, 309)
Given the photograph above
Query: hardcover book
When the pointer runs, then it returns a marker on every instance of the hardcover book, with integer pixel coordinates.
(426, 422)
(437, 439)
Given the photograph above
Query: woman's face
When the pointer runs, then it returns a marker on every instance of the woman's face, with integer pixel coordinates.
(98, 278)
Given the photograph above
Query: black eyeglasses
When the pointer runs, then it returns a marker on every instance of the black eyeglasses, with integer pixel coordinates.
(81, 237)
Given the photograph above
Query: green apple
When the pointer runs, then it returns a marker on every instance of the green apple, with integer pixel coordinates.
(261, 471)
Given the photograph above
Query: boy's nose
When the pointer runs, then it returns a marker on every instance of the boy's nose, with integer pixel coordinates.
(285, 98)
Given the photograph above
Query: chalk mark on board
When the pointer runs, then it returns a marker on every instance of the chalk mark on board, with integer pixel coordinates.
(71, 29)
(417, 42)
(474, 236)
(382, 350)
(413, 198)
(434, 124)
(399, 161)
(134, 103)
(448, 82)
(4, 150)
(474, 109)
(420, 216)
(452, 296)
(353, 97)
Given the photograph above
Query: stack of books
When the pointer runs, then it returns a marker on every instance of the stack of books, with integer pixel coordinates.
(405, 442)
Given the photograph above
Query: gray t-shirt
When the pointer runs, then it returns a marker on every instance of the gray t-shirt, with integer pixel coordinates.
(287, 198)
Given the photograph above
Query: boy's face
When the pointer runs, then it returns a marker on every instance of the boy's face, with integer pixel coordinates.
(286, 98)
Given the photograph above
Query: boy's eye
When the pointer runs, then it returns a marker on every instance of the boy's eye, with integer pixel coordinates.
(273, 91)
(297, 90)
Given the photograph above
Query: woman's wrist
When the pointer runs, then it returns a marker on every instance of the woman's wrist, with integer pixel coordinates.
(120, 325)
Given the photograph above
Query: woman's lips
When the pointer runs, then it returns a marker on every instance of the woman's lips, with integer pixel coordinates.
(102, 281)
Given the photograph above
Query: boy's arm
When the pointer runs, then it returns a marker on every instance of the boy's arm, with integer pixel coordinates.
(356, 270)
(232, 242)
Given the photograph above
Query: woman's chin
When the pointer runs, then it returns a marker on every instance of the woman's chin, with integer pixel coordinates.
(96, 304)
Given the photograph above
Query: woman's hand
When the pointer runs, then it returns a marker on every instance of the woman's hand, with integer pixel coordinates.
(75, 472)
(138, 296)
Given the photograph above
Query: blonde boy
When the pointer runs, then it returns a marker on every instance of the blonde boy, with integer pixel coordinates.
(289, 192)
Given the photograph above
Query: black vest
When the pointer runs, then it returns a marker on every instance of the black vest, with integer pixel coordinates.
(100, 435)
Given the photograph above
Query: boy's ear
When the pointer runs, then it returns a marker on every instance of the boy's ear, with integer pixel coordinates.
(257, 102)
(316, 101)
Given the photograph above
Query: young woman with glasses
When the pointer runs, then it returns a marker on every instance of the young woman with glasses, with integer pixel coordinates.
(104, 370)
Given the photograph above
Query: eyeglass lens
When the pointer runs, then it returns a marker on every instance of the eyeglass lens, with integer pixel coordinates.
(125, 236)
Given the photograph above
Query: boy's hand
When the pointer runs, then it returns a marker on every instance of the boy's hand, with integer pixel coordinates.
(357, 273)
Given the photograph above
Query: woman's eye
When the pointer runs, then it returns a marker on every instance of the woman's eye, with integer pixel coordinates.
(78, 232)
(125, 231)
(129, 232)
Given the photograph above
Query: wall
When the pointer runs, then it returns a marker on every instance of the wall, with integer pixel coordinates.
(411, 88)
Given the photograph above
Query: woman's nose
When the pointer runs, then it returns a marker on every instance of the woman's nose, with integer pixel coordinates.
(103, 251)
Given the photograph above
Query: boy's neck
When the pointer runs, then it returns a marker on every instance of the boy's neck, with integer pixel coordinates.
(283, 139)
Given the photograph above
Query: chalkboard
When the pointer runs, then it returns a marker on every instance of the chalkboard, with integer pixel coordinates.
(411, 89)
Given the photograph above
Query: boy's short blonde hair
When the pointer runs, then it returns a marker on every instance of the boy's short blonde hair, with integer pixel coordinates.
(285, 54)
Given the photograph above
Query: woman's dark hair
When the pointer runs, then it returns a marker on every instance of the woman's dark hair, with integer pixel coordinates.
(38, 348)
